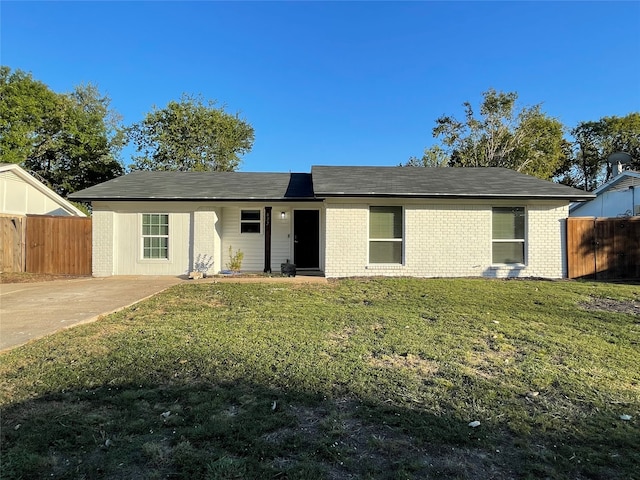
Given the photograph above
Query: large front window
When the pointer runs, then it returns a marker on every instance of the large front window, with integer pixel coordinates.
(508, 242)
(385, 235)
(155, 235)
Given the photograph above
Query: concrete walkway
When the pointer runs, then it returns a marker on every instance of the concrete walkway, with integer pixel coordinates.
(33, 310)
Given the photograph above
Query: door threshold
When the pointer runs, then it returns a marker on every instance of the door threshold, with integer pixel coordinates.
(310, 272)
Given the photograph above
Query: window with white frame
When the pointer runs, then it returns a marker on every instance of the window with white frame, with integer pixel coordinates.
(249, 221)
(155, 236)
(508, 235)
(385, 235)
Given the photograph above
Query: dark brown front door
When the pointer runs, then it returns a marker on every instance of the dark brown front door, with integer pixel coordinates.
(306, 238)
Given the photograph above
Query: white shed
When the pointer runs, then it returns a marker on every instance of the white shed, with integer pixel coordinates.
(22, 194)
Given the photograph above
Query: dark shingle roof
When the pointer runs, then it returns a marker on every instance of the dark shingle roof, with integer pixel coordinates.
(423, 182)
(201, 186)
(330, 181)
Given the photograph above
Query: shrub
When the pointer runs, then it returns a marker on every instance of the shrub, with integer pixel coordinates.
(235, 260)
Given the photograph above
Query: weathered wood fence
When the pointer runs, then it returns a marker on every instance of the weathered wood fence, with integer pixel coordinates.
(603, 248)
(12, 246)
(46, 244)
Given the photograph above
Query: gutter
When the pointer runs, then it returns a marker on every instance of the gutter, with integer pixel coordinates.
(574, 198)
(195, 199)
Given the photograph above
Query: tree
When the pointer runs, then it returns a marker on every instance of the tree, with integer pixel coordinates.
(594, 141)
(433, 156)
(27, 112)
(190, 135)
(71, 140)
(525, 139)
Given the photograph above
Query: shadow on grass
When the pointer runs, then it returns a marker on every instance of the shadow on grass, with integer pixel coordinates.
(366, 380)
(244, 430)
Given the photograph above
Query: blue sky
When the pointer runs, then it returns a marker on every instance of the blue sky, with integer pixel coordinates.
(334, 83)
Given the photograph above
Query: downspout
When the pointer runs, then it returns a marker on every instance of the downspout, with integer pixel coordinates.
(267, 239)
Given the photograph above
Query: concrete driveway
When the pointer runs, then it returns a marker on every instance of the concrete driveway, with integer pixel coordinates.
(33, 310)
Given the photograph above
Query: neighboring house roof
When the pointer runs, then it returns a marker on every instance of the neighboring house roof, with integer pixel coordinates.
(65, 207)
(328, 181)
(202, 186)
(623, 181)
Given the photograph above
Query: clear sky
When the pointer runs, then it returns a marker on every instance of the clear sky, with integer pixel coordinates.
(334, 83)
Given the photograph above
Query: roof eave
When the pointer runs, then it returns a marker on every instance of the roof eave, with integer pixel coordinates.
(193, 199)
(571, 198)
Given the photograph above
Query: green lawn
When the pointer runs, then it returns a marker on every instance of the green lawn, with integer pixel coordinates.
(359, 379)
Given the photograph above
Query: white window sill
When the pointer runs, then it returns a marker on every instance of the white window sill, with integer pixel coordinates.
(384, 266)
(508, 266)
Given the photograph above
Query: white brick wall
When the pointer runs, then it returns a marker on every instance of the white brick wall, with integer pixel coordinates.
(102, 225)
(444, 239)
(206, 242)
(347, 234)
(547, 241)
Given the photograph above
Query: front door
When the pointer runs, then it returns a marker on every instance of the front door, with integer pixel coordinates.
(306, 238)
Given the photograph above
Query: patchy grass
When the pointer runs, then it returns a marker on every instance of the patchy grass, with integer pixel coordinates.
(371, 379)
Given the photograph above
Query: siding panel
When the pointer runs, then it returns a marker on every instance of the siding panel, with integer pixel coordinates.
(251, 244)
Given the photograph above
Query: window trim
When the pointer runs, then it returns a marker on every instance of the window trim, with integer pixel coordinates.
(143, 236)
(523, 240)
(401, 239)
(251, 222)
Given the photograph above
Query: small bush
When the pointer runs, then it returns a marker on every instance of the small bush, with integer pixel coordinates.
(235, 260)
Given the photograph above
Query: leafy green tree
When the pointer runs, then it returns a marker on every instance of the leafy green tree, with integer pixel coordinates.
(28, 111)
(190, 136)
(502, 135)
(433, 156)
(594, 141)
(70, 140)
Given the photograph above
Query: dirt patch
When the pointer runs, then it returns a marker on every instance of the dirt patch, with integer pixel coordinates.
(409, 361)
(14, 277)
(610, 305)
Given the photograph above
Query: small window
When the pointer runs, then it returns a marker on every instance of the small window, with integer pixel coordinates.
(385, 235)
(155, 236)
(508, 227)
(250, 221)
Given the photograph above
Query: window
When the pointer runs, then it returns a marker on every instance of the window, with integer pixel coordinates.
(385, 235)
(250, 221)
(508, 235)
(155, 235)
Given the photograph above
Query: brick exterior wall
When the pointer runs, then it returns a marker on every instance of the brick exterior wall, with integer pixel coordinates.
(547, 241)
(102, 239)
(347, 234)
(445, 240)
(206, 243)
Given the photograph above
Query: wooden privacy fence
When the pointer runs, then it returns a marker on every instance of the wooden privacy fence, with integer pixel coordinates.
(12, 247)
(56, 244)
(603, 248)
(45, 244)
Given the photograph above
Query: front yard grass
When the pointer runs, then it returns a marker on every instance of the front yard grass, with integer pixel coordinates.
(370, 379)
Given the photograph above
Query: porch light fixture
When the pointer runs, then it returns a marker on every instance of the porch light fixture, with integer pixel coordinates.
(283, 215)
